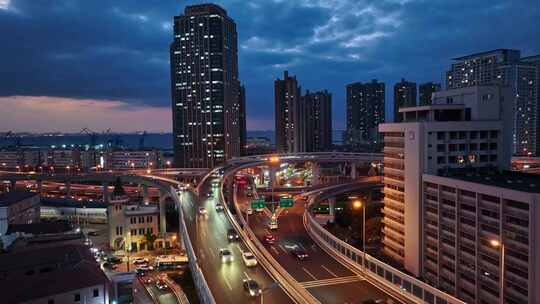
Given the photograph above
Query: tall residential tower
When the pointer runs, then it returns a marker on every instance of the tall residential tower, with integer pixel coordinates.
(318, 121)
(205, 87)
(365, 111)
(404, 96)
(289, 115)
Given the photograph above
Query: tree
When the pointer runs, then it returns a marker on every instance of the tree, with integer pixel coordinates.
(150, 239)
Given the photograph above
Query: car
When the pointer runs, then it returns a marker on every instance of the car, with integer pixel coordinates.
(273, 224)
(209, 194)
(109, 265)
(148, 280)
(252, 288)
(140, 272)
(249, 194)
(202, 211)
(300, 253)
(88, 242)
(226, 255)
(232, 235)
(113, 260)
(249, 259)
(93, 233)
(160, 284)
(140, 261)
(145, 267)
(269, 239)
(219, 207)
(249, 211)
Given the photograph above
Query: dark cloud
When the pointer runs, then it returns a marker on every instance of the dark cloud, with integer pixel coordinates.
(118, 50)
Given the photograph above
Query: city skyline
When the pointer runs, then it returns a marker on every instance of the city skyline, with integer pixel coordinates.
(120, 68)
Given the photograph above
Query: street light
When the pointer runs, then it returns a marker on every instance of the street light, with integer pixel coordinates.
(499, 244)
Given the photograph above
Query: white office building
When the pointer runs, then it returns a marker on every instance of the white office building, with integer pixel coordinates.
(462, 130)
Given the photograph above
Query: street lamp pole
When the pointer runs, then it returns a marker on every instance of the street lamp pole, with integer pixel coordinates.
(497, 244)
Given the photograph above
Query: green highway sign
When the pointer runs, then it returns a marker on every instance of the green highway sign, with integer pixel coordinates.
(258, 203)
(285, 202)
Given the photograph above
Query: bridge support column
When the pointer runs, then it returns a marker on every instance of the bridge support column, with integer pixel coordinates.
(68, 188)
(145, 197)
(272, 170)
(315, 174)
(39, 186)
(354, 174)
(12, 185)
(332, 209)
(105, 186)
(162, 223)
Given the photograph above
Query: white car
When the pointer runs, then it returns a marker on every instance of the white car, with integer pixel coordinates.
(273, 224)
(202, 211)
(140, 261)
(226, 255)
(249, 259)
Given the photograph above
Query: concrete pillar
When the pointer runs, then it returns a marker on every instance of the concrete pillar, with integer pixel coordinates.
(162, 223)
(354, 174)
(68, 188)
(272, 170)
(145, 197)
(105, 192)
(332, 209)
(315, 174)
(39, 186)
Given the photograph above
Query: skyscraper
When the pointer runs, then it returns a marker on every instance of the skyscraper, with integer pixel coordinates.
(365, 111)
(242, 120)
(205, 87)
(505, 67)
(318, 121)
(404, 96)
(426, 89)
(289, 115)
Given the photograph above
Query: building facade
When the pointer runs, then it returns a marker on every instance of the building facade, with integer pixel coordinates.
(130, 223)
(131, 159)
(18, 207)
(365, 111)
(318, 121)
(505, 67)
(404, 96)
(426, 90)
(479, 237)
(462, 130)
(205, 87)
(289, 117)
(242, 120)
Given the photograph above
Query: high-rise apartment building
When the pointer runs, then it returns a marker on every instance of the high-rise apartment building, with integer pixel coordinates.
(426, 90)
(205, 87)
(318, 121)
(463, 130)
(242, 120)
(404, 96)
(289, 115)
(505, 67)
(365, 111)
(479, 239)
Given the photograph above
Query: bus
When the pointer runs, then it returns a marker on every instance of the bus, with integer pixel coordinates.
(170, 262)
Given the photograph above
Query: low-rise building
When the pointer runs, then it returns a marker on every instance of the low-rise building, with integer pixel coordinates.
(129, 224)
(18, 207)
(132, 159)
(54, 275)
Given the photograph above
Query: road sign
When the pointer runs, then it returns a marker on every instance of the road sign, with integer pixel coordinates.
(285, 202)
(258, 203)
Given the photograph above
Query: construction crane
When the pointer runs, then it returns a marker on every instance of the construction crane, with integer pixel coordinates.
(93, 136)
(16, 138)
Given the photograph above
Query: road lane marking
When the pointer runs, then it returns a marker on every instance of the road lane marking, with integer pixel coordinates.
(239, 248)
(284, 251)
(274, 249)
(247, 276)
(227, 282)
(329, 271)
(334, 281)
(309, 273)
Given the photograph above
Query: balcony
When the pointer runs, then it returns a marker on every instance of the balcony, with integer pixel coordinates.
(388, 231)
(394, 192)
(390, 242)
(389, 211)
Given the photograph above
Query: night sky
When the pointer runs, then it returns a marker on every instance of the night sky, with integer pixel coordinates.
(69, 64)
